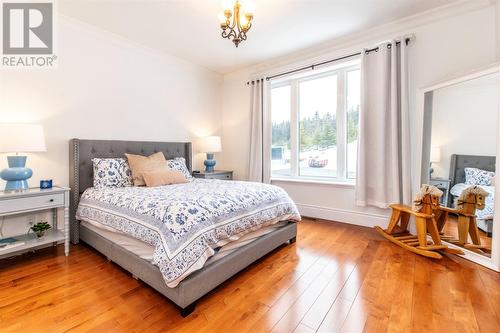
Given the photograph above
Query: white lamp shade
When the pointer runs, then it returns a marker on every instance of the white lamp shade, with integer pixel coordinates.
(210, 144)
(21, 138)
(435, 154)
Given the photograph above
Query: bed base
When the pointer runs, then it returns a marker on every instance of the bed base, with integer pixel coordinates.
(187, 310)
(200, 282)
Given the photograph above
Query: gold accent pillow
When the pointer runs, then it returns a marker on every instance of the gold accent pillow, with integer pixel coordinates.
(139, 164)
(163, 177)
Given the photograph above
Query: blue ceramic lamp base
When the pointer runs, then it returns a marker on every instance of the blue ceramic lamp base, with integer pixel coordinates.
(16, 174)
(209, 163)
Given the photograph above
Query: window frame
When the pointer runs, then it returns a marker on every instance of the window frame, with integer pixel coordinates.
(341, 124)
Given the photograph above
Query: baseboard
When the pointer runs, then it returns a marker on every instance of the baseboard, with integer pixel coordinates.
(343, 215)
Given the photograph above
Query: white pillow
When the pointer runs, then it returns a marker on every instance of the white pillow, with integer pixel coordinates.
(111, 172)
(474, 176)
(179, 164)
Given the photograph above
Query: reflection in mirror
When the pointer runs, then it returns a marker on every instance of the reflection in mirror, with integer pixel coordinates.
(459, 150)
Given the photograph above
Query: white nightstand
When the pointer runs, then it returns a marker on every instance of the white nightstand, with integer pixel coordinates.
(32, 200)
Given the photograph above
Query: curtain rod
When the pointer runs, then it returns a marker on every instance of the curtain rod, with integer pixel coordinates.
(312, 67)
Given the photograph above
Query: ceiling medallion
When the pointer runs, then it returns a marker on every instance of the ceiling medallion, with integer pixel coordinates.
(241, 23)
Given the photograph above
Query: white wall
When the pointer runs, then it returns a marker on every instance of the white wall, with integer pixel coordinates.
(498, 30)
(236, 119)
(106, 87)
(447, 44)
(464, 121)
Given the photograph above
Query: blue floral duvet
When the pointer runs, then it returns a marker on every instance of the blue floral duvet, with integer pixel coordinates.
(186, 222)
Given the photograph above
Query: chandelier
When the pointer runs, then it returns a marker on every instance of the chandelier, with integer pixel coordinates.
(241, 23)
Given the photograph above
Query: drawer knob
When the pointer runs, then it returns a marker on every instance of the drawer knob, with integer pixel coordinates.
(51, 200)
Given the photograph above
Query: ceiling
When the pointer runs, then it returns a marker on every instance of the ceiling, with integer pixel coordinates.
(189, 29)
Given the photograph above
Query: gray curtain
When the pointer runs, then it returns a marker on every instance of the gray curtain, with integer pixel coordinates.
(260, 135)
(384, 152)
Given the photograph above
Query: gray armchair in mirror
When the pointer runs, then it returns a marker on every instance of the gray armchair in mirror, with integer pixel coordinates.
(459, 148)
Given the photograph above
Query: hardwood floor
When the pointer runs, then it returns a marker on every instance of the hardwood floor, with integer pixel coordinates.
(336, 278)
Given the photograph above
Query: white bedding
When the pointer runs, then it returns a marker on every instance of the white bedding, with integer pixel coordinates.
(187, 223)
(146, 251)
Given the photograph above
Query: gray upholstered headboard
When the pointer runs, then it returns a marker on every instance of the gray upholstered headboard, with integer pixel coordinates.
(81, 153)
(458, 164)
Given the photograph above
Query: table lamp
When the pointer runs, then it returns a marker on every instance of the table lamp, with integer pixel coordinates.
(210, 145)
(19, 138)
(435, 158)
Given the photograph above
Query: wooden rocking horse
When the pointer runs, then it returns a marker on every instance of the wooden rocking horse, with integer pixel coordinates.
(397, 231)
(472, 198)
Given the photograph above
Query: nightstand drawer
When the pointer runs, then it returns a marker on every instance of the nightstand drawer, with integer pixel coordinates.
(226, 176)
(17, 205)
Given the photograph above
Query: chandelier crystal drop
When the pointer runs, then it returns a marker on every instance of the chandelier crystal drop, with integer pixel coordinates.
(237, 28)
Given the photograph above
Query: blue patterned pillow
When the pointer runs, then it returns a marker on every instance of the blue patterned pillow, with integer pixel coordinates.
(111, 172)
(475, 176)
(179, 164)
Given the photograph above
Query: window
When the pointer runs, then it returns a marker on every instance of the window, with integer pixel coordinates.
(318, 127)
(315, 121)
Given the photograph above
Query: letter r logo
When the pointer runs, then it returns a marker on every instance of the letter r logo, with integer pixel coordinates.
(27, 28)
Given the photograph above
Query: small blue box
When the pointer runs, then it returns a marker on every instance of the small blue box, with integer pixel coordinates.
(46, 184)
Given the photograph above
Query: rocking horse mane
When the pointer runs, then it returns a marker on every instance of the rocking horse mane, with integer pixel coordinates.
(424, 190)
(475, 190)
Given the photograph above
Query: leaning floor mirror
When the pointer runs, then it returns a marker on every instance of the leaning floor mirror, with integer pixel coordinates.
(460, 138)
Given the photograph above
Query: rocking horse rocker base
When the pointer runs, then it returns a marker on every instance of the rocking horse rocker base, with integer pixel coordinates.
(410, 242)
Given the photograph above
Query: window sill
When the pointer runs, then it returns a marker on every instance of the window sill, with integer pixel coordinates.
(339, 183)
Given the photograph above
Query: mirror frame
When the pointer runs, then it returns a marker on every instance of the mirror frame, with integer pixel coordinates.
(494, 261)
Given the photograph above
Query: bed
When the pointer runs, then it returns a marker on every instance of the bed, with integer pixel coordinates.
(457, 185)
(185, 268)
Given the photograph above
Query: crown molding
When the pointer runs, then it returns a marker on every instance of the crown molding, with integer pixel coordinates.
(364, 38)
